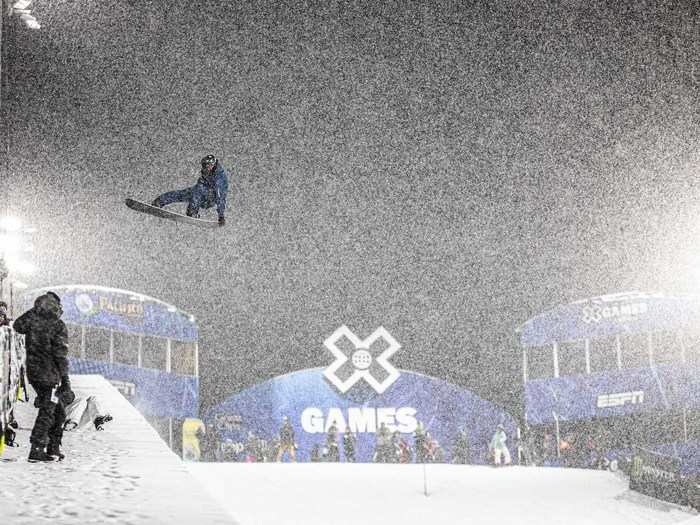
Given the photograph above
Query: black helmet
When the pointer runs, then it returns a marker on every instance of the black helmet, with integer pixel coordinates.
(209, 163)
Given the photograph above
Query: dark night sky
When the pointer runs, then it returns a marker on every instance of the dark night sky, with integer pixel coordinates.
(446, 170)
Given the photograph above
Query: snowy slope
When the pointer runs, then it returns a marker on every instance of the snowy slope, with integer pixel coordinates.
(323, 494)
(124, 475)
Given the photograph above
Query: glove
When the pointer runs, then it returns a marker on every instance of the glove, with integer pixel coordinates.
(66, 396)
(222, 220)
(64, 393)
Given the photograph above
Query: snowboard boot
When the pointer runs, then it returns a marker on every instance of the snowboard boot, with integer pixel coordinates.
(54, 449)
(156, 203)
(38, 454)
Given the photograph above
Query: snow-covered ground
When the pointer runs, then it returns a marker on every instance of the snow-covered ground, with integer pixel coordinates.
(126, 475)
(123, 475)
(310, 494)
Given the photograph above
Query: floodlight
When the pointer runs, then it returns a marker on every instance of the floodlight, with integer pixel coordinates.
(16, 265)
(21, 4)
(30, 21)
(24, 267)
(10, 224)
(9, 243)
(19, 285)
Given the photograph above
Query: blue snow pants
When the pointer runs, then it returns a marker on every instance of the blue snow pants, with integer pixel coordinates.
(198, 196)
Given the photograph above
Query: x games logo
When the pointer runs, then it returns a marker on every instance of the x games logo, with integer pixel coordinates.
(357, 361)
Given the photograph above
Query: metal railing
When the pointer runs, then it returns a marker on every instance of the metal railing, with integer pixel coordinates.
(12, 374)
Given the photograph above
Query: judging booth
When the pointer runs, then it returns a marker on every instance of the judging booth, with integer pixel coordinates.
(146, 348)
(620, 371)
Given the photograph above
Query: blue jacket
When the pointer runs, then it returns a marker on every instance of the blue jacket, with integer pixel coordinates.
(217, 183)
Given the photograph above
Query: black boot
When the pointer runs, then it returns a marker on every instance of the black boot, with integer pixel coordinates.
(37, 454)
(156, 203)
(54, 449)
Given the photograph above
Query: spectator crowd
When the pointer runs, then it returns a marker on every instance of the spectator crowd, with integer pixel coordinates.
(390, 446)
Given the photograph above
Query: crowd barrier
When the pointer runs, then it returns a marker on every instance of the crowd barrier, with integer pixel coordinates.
(12, 377)
(659, 476)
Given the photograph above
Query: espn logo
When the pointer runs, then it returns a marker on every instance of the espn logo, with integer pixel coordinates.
(618, 400)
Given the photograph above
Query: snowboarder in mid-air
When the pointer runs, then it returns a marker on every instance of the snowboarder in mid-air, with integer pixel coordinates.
(210, 190)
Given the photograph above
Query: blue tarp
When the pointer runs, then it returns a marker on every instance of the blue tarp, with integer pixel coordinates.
(615, 393)
(152, 392)
(442, 407)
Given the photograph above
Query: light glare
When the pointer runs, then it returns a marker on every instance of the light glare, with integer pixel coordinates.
(9, 244)
(10, 224)
(19, 285)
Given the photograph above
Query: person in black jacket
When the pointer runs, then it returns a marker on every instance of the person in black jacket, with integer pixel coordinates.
(46, 342)
(331, 448)
(349, 443)
(460, 449)
(4, 316)
(287, 443)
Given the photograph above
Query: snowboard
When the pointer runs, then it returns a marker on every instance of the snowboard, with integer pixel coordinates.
(167, 214)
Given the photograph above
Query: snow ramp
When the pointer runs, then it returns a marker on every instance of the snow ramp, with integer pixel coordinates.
(123, 475)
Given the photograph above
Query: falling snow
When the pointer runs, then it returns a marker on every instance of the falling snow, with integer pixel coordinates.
(447, 170)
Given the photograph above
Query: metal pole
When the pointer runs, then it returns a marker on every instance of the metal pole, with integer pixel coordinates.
(168, 356)
(425, 481)
(681, 343)
(4, 273)
(7, 39)
(587, 350)
(556, 426)
(139, 357)
(4, 27)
